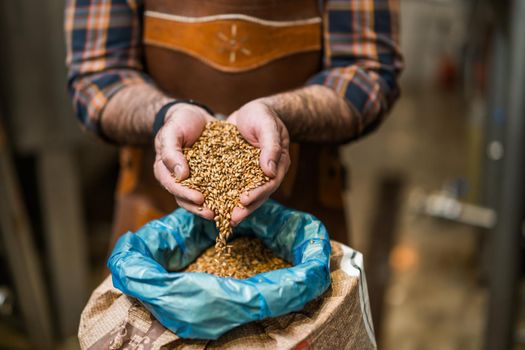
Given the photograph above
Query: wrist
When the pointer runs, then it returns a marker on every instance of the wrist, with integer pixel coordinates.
(181, 107)
(271, 104)
(170, 109)
(274, 104)
(268, 102)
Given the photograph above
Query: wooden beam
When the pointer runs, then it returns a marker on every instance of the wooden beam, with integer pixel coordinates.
(65, 235)
(22, 256)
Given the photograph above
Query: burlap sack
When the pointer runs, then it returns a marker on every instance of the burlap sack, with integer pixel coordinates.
(340, 319)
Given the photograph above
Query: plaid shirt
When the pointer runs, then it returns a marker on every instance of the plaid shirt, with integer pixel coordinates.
(361, 55)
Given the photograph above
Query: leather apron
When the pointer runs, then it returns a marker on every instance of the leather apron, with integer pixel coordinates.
(224, 54)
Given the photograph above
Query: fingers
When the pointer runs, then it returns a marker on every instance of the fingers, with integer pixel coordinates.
(253, 199)
(261, 127)
(239, 214)
(200, 210)
(183, 127)
(168, 145)
(254, 195)
(270, 142)
(271, 186)
(185, 197)
(179, 191)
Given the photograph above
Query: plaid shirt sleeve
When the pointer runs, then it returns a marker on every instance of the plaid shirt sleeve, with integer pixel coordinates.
(361, 56)
(103, 53)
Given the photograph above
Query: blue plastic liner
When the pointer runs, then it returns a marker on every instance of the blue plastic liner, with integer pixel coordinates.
(200, 305)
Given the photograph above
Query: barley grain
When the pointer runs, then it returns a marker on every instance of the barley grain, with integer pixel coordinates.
(222, 166)
(247, 257)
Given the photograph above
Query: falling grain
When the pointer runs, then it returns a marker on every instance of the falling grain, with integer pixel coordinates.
(245, 257)
(223, 165)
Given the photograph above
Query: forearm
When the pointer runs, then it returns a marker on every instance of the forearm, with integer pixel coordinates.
(128, 116)
(315, 114)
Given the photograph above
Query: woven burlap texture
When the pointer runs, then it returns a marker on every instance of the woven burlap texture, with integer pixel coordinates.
(339, 319)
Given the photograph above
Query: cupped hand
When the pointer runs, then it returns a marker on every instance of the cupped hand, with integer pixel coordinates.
(262, 128)
(183, 125)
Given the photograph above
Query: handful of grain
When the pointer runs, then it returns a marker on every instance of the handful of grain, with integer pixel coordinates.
(248, 257)
(222, 166)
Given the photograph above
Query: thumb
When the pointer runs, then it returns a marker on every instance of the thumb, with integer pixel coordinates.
(172, 156)
(270, 142)
(180, 166)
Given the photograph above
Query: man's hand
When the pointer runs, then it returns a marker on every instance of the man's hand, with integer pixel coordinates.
(183, 125)
(262, 128)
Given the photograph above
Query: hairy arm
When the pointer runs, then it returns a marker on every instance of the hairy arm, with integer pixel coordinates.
(358, 86)
(315, 114)
(129, 114)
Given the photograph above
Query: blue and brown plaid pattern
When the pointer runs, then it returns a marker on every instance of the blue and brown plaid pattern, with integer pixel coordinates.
(361, 55)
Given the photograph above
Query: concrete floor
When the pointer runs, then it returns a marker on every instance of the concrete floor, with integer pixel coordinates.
(435, 299)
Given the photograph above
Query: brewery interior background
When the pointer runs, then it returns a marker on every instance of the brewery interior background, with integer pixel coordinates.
(435, 197)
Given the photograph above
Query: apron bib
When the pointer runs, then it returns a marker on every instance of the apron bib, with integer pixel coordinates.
(225, 54)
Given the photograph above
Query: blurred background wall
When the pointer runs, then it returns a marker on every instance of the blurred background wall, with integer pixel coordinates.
(56, 181)
(425, 191)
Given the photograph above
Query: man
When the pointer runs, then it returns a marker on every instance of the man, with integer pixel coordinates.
(248, 60)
